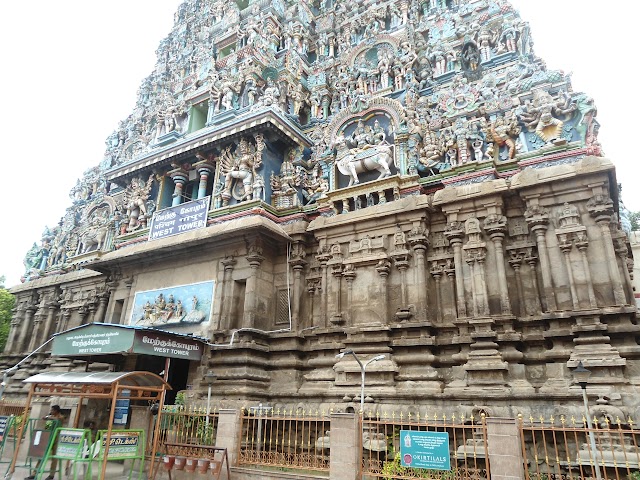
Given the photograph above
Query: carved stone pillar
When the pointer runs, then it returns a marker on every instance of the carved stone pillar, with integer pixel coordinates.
(538, 219)
(565, 244)
(475, 250)
(496, 227)
(335, 265)
(601, 209)
(64, 322)
(228, 264)
(582, 242)
(400, 256)
(180, 177)
(570, 230)
(52, 308)
(101, 310)
(36, 329)
(297, 261)
(516, 259)
(25, 329)
(455, 233)
(323, 257)
(383, 267)
(531, 260)
(205, 168)
(349, 275)
(436, 271)
(623, 253)
(418, 241)
(128, 283)
(14, 331)
(255, 259)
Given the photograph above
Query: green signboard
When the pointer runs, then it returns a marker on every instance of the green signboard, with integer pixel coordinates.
(70, 443)
(425, 450)
(102, 339)
(93, 340)
(123, 445)
(166, 345)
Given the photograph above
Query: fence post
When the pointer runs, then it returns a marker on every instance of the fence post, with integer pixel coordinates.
(345, 453)
(228, 433)
(504, 449)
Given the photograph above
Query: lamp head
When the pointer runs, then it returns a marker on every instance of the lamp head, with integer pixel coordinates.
(581, 375)
(344, 352)
(210, 377)
(377, 358)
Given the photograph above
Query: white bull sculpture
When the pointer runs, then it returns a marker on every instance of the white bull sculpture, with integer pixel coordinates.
(351, 162)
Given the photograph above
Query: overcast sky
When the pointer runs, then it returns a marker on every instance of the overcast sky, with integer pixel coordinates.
(71, 69)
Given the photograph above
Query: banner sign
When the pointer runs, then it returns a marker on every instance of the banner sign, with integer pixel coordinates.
(101, 339)
(124, 444)
(70, 442)
(93, 340)
(166, 345)
(179, 219)
(425, 450)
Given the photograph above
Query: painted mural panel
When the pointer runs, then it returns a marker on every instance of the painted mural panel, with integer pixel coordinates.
(174, 308)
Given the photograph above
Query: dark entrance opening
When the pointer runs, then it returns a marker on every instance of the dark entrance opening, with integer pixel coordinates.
(178, 373)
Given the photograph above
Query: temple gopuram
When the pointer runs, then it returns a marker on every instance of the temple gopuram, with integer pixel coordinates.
(388, 177)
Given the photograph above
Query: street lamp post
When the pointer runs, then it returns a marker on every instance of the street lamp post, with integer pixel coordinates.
(5, 374)
(209, 378)
(363, 368)
(581, 376)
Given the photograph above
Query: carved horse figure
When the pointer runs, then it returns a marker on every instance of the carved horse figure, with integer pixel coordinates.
(351, 162)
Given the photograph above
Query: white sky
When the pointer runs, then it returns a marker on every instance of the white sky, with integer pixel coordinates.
(71, 70)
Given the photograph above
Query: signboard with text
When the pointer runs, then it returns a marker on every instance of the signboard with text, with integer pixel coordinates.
(93, 340)
(70, 442)
(123, 444)
(425, 450)
(179, 219)
(165, 345)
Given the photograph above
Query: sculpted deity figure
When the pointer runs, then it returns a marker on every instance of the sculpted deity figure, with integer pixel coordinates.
(509, 37)
(271, 94)
(135, 203)
(542, 114)
(299, 97)
(503, 131)
(383, 69)
(240, 166)
(485, 41)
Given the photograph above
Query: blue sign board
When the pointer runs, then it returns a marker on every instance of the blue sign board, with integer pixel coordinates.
(425, 450)
(179, 219)
(121, 413)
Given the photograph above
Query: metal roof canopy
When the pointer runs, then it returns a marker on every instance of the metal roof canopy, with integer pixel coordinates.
(98, 385)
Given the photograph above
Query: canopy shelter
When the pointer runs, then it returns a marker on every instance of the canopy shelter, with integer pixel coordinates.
(99, 385)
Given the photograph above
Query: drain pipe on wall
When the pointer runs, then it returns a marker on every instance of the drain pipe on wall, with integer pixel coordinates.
(257, 330)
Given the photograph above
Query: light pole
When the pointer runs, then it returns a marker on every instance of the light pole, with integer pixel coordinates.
(363, 368)
(209, 378)
(581, 376)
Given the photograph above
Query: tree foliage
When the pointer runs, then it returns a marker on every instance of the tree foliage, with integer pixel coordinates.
(634, 218)
(7, 301)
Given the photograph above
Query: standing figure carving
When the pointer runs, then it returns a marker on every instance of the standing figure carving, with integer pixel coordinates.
(135, 203)
(239, 168)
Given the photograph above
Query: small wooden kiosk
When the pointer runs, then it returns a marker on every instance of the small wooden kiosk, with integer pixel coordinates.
(111, 386)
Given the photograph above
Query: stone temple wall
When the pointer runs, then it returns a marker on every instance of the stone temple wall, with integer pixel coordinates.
(398, 178)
